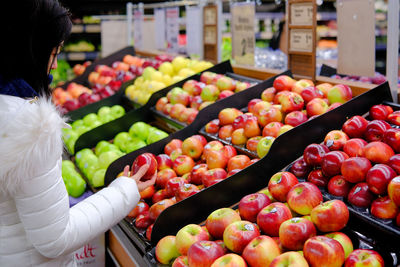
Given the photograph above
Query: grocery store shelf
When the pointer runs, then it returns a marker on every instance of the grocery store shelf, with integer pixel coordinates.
(86, 28)
(78, 56)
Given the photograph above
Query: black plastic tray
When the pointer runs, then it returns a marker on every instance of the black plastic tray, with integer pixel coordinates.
(180, 124)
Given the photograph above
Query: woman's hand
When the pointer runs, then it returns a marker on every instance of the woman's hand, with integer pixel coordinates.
(137, 176)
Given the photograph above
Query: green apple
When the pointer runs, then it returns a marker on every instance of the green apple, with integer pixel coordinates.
(264, 145)
(103, 111)
(70, 144)
(105, 148)
(98, 178)
(89, 119)
(122, 139)
(155, 136)
(100, 146)
(117, 111)
(95, 124)
(135, 144)
(106, 158)
(81, 130)
(77, 187)
(68, 133)
(88, 161)
(106, 118)
(140, 130)
(147, 72)
(90, 172)
(82, 154)
(77, 124)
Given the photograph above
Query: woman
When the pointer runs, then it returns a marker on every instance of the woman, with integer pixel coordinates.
(37, 228)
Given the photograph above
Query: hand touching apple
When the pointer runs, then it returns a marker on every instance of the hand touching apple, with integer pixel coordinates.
(138, 176)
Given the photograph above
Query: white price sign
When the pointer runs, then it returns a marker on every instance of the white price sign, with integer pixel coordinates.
(301, 14)
(159, 21)
(301, 40)
(194, 31)
(138, 28)
(172, 27)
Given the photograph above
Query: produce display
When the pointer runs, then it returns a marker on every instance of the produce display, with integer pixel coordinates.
(90, 121)
(93, 163)
(359, 164)
(187, 167)
(184, 103)
(299, 229)
(153, 80)
(79, 69)
(73, 181)
(285, 105)
(377, 79)
(104, 81)
(80, 46)
(62, 73)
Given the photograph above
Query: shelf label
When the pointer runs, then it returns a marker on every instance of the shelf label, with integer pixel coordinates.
(159, 25)
(194, 31)
(138, 28)
(301, 14)
(77, 28)
(172, 29)
(210, 35)
(210, 16)
(301, 40)
(93, 28)
(243, 33)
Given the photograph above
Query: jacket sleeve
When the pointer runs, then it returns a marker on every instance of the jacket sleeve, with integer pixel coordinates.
(54, 228)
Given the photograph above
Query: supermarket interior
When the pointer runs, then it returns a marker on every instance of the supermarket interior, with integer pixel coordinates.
(269, 131)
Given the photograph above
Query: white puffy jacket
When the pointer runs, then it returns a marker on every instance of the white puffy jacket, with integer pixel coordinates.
(37, 227)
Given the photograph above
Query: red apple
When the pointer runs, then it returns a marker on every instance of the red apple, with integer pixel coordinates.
(323, 251)
(238, 162)
(166, 250)
(161, 103)
(250, 206)
(338, 186)
(332, 162)
(280, 184)
(189, 235)
(313, 154)
(209, 177)
(289, 259)
(240, 121)
(172, 145)
(384, 208)
(185, 191)
(360, 195)
(229, 260)
(143, 159)
(355, 169)
(339, 93)
(303, 197)
(335, 140)
(380, 112)
(197, 172)
(148, 192)
(140, 208)
(294, 232)
(268, 94)
(238, 137)
(378, 152)
(354, 147)
(225, 93)
(324, 87)
(300, 168)
(295, 118)
(181, 261)
(213, 145)
(311, 92)
(241, 86)
(291, 102)
(207, 77)
(164, 176)
(344, 240)
(261, 251)
(219, 219)
(204, 253)
(196, 102)
(148, 231)
(316, 107)
(251, 104)
(394, 118)
(375, 130)
(270, 218)
(173, 185)
(229, 151)
(378, 178)
(330, 216)
(302, 84)
(272, 129)
(163, 162)
(226, 83)
(283, 82)
(156, 209)
(216, 159)
(177, 110)
(183, 164)
(334, 105)
(212, 127)
(159, 195)
(232, 172)
(392, 138)
(238, 234)
(364, 257)
(271, 114)
(394, 162)
(252, 143)
(143, 220)
(192, 147)
(355, 126)
(251, 127)
(225, 132)
(174, 154)
(317, 178)
(228, 115)
(394, 190)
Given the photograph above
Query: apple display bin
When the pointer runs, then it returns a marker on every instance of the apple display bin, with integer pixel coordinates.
(108, 130)
(180, 124)
(284, 150)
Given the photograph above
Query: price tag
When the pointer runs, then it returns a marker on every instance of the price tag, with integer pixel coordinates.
(210, 15)
(301, 40)
(172, 28)
(301, 14)
(138, 28)
(194, 31)
(210, 35)
(243, 33)
(159, 21)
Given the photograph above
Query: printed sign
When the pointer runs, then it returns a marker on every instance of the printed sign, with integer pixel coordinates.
(301, 14)
(159, 21)
(301, 40)
(243, 33)
(172, 28)
(138, 28)
(194, 31)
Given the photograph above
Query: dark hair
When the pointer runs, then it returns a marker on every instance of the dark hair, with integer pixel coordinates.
(30, 30)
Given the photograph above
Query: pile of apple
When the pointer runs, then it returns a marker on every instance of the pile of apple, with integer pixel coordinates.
(359, 163)
(79, 69)
(184, 103)
(377, 79)
(90, 121)
(73, 181)
(186, 168)
(285, 105)
(287, 224)
(94, 164)
(168, 73)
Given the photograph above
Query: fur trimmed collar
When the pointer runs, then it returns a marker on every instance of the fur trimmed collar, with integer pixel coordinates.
(30, 139)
